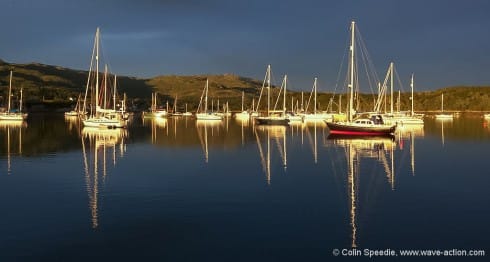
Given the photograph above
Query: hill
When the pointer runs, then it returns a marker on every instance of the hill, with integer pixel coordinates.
(54, 85)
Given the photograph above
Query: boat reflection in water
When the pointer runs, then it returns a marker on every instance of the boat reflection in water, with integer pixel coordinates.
(271, 133)
(244, 123)
(357, 149)
(155, 124)
(13, 132)
(207, 128)
(444, 122)
(410, 132)
(317, 126)
(312, 131)
(96, 143)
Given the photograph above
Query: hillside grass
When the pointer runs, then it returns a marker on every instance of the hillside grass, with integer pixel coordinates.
(42, 83)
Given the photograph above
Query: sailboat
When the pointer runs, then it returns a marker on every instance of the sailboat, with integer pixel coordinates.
(442, 115)
(373, 126)
(187, 113)
(244, 114)
(155, 112)
(273, 117)
(176, 112)
(315, 115)
(100, 116)
(403, 118)
(292, 115)
(226, 110)
(77, 110)
(11, 114)
(204, 114)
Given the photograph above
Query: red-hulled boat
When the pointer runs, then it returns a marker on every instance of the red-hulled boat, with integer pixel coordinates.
(373, 126)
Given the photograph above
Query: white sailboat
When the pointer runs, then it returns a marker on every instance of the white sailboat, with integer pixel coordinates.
(204, 114)
(175, 111)
(443, 116)
(244, 114)
(403, 118)
(272, 117)
(155, 112)
(315, 115)
(77, 110)
(187, 113)
(100, 116)
(10, 114)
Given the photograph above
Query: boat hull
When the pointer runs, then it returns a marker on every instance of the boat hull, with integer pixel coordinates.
(13, 116)
(208, 116)
(384, 137)
(156, 114)
(444, 116)
(104, 122)
(351, 130)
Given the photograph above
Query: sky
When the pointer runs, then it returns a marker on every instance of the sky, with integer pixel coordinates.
(444, 43)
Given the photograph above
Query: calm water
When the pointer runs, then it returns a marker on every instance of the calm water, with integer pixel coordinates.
(178, 190)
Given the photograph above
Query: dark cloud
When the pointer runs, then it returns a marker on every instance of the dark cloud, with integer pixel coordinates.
(301, 38)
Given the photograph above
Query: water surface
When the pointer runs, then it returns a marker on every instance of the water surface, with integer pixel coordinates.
(183, 190)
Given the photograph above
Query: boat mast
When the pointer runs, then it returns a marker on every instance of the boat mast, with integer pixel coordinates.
(398, 102)
(97, 35)
(268, 88)
(340, 104)
(20, 105)
(206, 97)
(105, 87)
(351, 82)
(314, 88)
(284, 102)
(114, 95)
(391, 86)
(243, 98)
(302, 99)
(10, 92)
(411, 87)
(152, 102)
(175, 103)
(123, 106)
(442, 102)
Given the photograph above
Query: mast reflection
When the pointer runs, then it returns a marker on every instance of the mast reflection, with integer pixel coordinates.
(412, 132)
(357, 149)
(244, 123)
(12, 129)
(155, 124)
(278, 135)
(204, 127)
(444, 121)
(96, 142)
